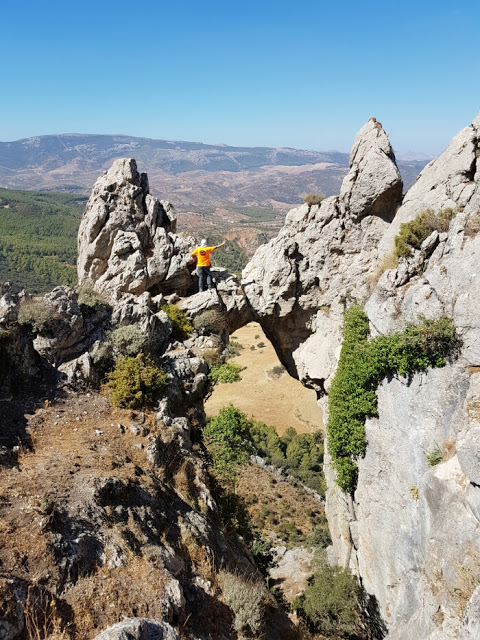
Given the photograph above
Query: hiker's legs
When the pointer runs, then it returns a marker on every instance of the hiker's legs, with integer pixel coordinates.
(201, 278)
(209, 277)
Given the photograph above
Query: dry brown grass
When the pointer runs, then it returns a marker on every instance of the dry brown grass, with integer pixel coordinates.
(472, 369)
(389, 261)
(211, 356)
(199, 558)
(283, 402)
(472, 226)
(468, 579)
(75, 441)
(473, 409)
(449, 449)
(42, 620)
(106, 597)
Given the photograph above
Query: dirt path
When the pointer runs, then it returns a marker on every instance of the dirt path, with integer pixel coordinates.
(281, 401)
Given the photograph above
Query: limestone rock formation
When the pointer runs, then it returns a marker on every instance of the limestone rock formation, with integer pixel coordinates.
(425, 578)
(451, 180)
(63, 339)
(106, 520)
(127, 241)
(295, 283)
(410, 531)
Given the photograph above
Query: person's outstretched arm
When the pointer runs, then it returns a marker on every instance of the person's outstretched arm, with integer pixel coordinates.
(220, 245)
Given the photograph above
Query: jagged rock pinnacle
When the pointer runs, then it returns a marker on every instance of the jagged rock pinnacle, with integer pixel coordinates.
(127, 241)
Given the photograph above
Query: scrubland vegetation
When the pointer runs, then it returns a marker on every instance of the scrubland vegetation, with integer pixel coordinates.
(181, 327)
(313, 199)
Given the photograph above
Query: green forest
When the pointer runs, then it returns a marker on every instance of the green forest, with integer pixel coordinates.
(38, 238)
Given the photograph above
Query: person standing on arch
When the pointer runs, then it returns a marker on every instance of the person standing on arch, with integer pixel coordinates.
(202, 254)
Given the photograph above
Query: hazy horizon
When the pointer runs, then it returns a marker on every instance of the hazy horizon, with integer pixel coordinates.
(417, 152)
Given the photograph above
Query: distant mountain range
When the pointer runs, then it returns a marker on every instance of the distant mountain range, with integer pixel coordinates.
(192, 175)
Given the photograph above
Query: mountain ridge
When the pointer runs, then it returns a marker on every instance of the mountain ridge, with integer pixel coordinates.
(192, 175)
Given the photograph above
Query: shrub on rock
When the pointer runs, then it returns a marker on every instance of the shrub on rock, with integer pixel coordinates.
(136, 382)
(181, 327)
(129, 340)
(313, 198)
(37, 315)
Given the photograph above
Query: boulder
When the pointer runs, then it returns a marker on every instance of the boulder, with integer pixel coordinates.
(373, 186)
(223, 308)
(61, 340)
(146, 313)
(139, 629)
(10, 297)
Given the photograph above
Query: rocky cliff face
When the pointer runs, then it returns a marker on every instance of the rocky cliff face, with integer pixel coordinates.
(410, 531)
(297, 283)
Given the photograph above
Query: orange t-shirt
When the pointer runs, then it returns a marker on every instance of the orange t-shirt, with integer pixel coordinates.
(203, 255)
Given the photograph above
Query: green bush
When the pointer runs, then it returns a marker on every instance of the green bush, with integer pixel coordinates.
(363, 364)
(413, 233)
(229, 441)
(288, 532)
(136, 382)
(228, 372)
(37, 315)
(320, 537)
(129, 340)
(313, 198)
(331, 603)
(181, 327)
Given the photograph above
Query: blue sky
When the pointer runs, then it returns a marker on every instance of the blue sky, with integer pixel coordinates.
(303, 74)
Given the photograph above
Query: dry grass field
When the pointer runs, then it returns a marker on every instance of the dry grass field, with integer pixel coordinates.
(274, 399)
